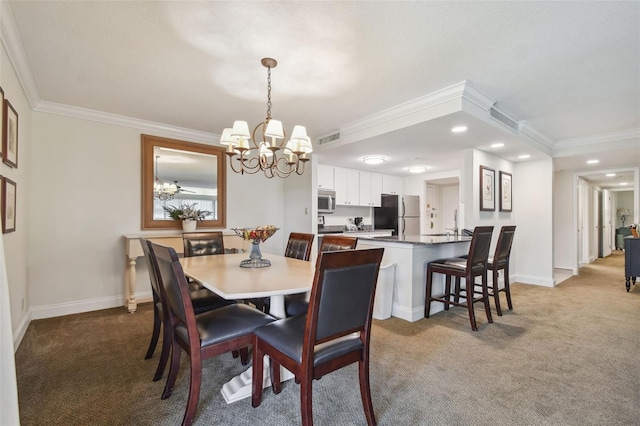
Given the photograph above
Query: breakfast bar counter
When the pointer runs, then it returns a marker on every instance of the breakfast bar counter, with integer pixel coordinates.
(410, 254)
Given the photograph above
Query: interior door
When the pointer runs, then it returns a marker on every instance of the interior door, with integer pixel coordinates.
(450, 206)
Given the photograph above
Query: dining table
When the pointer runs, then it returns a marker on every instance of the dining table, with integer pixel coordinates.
(223, 275)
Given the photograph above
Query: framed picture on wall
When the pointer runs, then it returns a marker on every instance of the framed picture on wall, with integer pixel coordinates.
(1, 120)
(9, 200)
(505, 191)
(487, 189)
(9, 135)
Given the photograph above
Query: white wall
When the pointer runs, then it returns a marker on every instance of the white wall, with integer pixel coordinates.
(533, 208)
(564, 246)
(85, 196)
(624, 199)
(15, 243)
(532, 252)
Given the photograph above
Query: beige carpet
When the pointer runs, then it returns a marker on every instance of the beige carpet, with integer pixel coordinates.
(568, 355)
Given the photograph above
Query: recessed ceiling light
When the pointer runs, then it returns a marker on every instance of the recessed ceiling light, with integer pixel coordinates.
(417, 169)
(611, 174)
(459, 129)
(523, 156)
(593, 161)
(497, 145)
(623, 183)
(374, 159)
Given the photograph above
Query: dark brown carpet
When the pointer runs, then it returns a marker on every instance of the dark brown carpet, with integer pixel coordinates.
(568, 355)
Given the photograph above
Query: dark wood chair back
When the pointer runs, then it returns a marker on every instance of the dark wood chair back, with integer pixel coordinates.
(160, 314)
(338, 242)
(335, 333)
(503, 246)
(342, 296)
(225, 329)
(299, 245)
(479, 249)
(203, 243)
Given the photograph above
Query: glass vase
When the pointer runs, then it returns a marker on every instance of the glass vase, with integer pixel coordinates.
(255, 257)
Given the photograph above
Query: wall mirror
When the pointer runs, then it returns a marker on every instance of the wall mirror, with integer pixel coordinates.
(189, 173)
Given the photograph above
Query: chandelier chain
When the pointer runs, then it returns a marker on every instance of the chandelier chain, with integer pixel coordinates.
(268, 93)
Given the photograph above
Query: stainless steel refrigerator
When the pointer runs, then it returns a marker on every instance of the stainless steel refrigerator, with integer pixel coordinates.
(402, 214)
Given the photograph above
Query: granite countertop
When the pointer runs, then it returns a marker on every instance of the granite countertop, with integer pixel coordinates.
(341, 230)
(425, 240)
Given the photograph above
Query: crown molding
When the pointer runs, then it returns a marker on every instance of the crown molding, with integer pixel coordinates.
(120, 120)
(600, 139)
(476, 96)
(434, 99)
(15, 50)
(545, 142)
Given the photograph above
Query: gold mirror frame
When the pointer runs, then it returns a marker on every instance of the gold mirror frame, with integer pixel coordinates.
(149, 143)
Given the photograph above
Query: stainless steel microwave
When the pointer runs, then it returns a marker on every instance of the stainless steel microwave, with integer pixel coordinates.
(326, 201)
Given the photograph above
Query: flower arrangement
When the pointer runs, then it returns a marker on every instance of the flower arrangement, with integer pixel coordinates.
(187, 212)
(256, 235)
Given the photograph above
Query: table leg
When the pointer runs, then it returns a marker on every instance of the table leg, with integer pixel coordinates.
(130, 290)
(240, 386)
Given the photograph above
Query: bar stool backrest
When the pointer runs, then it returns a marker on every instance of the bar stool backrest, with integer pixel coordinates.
(503, 247)
(479, 250)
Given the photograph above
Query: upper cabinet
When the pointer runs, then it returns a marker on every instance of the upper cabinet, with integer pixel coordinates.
(325, 177)
(347, 186)
(355, 187)
(391, 185)
(370, 189)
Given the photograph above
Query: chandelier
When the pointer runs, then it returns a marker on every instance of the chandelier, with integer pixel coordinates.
(264, 149)
(161, 190)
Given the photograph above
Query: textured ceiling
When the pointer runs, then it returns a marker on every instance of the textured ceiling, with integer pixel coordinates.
(569, 69)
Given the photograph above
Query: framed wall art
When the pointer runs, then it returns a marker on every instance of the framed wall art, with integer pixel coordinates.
(1, 120)
(9, 201)
(487, 189)
(9, 135)
(505, 191)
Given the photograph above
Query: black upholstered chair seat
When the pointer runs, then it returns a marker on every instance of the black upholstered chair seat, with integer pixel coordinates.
(296, 304)
(459, 264)
(288, 336)
(225, 323)
(204, 300)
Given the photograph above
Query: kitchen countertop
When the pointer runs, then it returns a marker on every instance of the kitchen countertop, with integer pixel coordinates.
(425, 240)
(343, 231)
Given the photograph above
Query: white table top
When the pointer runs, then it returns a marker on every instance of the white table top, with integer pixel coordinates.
(223, 275)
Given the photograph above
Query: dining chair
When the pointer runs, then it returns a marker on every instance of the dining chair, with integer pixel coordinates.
(335, 333)
(298, 247)
(202, 300)
(203, 243)
(200, 336)
(475, 264)
(297, 304)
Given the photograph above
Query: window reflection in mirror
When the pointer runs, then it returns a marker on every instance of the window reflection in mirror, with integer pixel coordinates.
(190, 173)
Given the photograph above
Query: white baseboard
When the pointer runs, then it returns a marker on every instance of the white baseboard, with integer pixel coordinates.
(79, 306)
(19, 333)
(407, 314)
(531, 279)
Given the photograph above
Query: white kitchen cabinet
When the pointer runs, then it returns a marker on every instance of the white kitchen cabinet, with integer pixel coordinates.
(347, 186)
(370, 189)
(391, 185)
(325, 177)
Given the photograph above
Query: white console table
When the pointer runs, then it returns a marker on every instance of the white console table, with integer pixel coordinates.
(133, 251)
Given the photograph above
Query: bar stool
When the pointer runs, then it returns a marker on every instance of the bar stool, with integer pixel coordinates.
(500, 261)
(474, 265)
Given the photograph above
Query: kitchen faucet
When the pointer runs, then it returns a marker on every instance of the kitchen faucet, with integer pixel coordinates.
(455, 223)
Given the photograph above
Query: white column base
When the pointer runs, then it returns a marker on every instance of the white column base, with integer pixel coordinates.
(240, 386)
